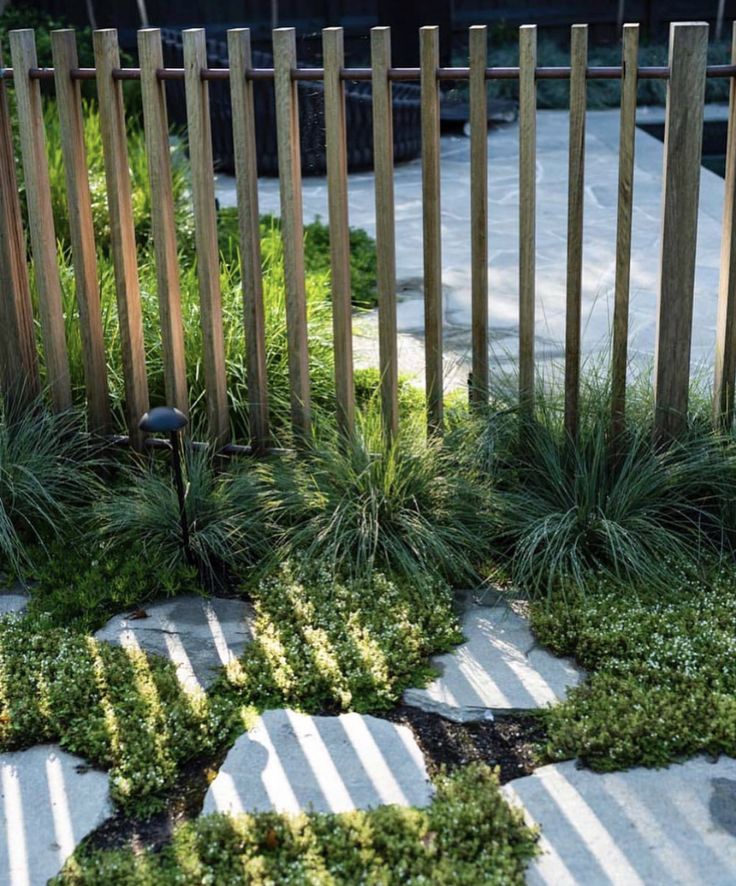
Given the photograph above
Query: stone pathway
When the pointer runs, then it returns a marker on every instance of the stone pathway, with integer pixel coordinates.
(642, 826)
(291, 762)
(50, 801)
(499, 669)
(601, 143)
(198, 635)
(14, 600)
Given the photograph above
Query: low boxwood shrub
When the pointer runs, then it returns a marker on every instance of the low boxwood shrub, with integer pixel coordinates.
(468, 835)
(327, 645)
(662, 664)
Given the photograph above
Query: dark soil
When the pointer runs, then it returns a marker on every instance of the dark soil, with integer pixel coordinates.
(507, 742)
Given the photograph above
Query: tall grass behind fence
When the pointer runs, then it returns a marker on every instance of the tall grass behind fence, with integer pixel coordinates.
(685, 74)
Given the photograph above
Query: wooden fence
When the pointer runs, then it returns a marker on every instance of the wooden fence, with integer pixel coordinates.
(685, 75)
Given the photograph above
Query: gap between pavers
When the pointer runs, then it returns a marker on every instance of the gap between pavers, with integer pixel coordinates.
(199, 635)
(51, 800)
(499, 669)
(291, 762)
(641, 826)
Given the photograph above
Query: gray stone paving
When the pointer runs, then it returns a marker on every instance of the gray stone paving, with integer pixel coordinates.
(599, 245)
(13, 600)
(198, 635)
(50, 801)
(291, 762)
(643, 826)
(499, 669)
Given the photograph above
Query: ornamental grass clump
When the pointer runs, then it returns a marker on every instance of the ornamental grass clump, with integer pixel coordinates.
(368, 503)
(141, 513)
(47, 476)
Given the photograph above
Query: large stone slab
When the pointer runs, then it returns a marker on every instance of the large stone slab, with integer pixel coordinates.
(499, 669)
(642, 826)
(50, 801)
(198, 635)
(292, 762)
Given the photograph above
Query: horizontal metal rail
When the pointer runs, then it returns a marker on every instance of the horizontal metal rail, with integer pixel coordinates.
(397, 74)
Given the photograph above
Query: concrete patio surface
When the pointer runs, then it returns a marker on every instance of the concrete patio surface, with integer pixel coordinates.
(601, 189)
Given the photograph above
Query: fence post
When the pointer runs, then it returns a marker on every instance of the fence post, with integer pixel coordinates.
(18, 359)
(81, 228)
(163, 223)
(576, 175)
(246, 179)
(40, 216)
(725, 362)
(337, 193)
(627, 138)
(383, 166)
(122, 233)
(681, 180)
(478, 51)
(429, 50)
(292, 227)
(205, 231)
(527, 213)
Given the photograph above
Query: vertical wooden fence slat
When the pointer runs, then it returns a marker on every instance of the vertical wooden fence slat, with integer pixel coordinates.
(81, 229)
(292, 226)
(527, 213)
(578, 63)
(163, 223)
(40, 216)
(246, 171)
(725, 362)
(122, 233)
(383, 165)
(19, 379)
(205, 231)
(627, 137)
(478, 51)
(681, 179)
(337, 192)
(429, 50)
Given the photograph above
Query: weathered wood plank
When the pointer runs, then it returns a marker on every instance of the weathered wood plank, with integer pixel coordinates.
(122, 234)
(246, 171)
(163, 223)
(81, 229)
(383, 166)
(429, 51)
(205, 231)
(337, 193)
(527, 213)
(478, 48)
(40, 216)
(725, 363)
(682, 152)
(575, 192)
(19, 378)
(627, 138)
(292, 227)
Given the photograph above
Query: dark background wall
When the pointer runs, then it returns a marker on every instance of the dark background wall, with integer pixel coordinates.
(404, 16)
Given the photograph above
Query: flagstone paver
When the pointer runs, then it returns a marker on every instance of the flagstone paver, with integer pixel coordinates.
(13, 600)
(50, 801)
(642, 826)
(499, 669)
(291, 762)
(198, 635)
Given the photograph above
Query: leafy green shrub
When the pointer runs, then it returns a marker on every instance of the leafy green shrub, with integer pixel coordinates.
(82, 586)
(115, 707)
(663, 669)
(46, 476)
(141, 513)
(368, 503)
(17, 16)
(324, 644)
(468, 835)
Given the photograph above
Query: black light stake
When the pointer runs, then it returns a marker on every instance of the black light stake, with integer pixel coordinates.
(161, 420)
